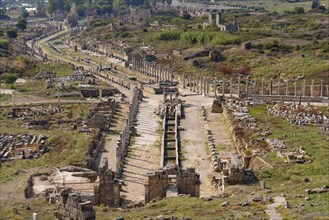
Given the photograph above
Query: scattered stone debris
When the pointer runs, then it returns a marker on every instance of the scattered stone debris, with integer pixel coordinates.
(22, 146)
(318, 190)
(211, 141)
(298, 155)
(77, 75)
(240, 122)
(298, 114)
(26, 113)
(276, 144)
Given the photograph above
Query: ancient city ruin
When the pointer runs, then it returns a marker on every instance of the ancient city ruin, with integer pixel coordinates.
(163, 110)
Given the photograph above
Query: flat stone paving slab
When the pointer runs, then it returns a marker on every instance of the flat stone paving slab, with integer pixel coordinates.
(144, 155)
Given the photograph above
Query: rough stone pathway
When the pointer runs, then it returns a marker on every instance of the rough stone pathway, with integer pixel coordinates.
(144, 155)
(271, 208)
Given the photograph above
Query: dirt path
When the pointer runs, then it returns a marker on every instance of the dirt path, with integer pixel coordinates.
(144, 155)
(23, 99)
(193, 142)
(221, 134)
(271, 209)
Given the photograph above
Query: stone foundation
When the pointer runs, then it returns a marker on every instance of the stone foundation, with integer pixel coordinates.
(73, 207)
(157, 183)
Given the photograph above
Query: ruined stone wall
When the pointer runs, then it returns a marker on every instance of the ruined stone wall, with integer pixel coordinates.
(188, 182)
(156, 185)
(73, 207)
(101, 115)
(108, 190)
(123, 143)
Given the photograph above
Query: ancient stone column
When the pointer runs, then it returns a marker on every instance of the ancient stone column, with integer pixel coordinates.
(239, 78)
(194, 83)
(117, 157)
(271, 87)
(321, 88)
(184, 82)
(190, 82)
(255, 84)
(295, 92)
(207, 86)
(231, 87)
(279, 87)
(287, 88)
(312, 88)
(304, 87)
(197, 84)
(100, 95)
(247, 92)
(215, 87)
(262, 86)
(223, 87)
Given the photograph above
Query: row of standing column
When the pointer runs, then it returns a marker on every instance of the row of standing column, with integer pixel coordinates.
(203, 84)
(152, 69)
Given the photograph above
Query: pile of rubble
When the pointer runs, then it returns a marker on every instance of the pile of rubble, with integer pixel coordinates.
(240, 122)
(22, 146)
(276, 144)
(26, 113)
(298, 114)
(72, 206)
(44, 75)
(243, 119)
(211, 142)
(324, 189)
(298, 155)
(77, 75)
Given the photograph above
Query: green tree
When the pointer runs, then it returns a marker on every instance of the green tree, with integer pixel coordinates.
(25, 14)
(22, 23)
(11, 33)
(119, 4)
(4, 44)
(54, 5)
(298, 10)
(10, 79)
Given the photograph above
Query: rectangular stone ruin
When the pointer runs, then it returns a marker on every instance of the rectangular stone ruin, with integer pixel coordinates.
(157, 183)
(73, 207)
(101, 115)
(108, 190)
(95, 93)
